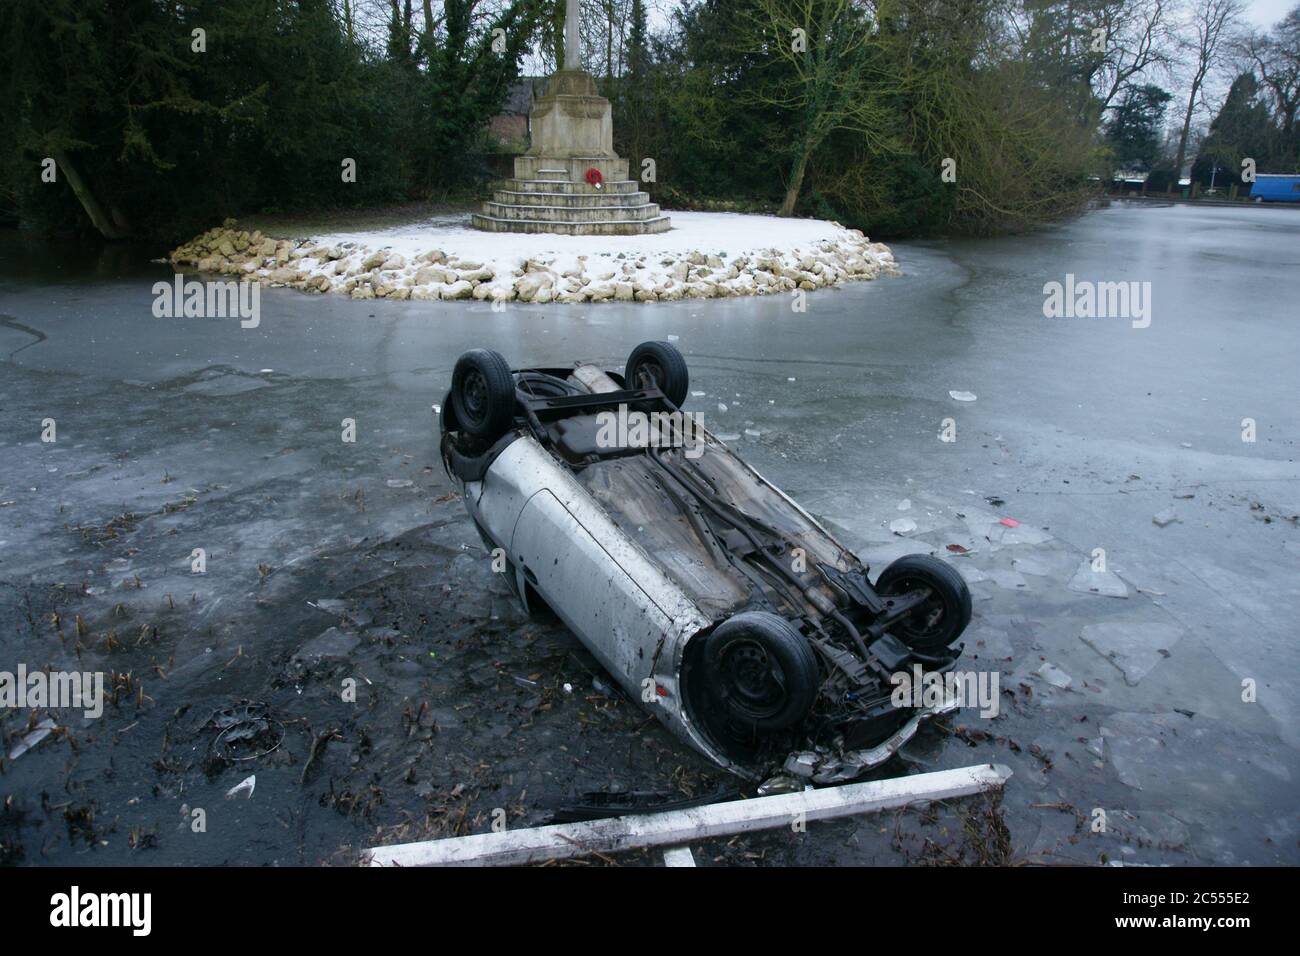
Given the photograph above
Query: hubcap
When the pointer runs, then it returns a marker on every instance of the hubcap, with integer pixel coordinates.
(927, 618)
(754, 682)
(649, 375)
(474, 392)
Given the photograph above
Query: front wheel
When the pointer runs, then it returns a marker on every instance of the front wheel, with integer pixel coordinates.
(940, 619)
(761, 671)
(483, 394)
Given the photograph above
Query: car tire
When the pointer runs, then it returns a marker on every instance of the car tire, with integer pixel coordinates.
(761, 671)
(659, 364)
(938, 622)
(483, 394)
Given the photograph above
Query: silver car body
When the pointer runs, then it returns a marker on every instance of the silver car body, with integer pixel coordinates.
(565, 546)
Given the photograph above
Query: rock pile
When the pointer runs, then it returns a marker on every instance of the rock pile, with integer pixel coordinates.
(642, 276)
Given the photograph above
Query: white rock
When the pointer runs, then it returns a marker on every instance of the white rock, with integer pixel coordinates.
(533, 283)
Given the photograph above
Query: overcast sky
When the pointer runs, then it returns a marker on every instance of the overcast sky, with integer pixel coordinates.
(1262, 13)
(1265, 13)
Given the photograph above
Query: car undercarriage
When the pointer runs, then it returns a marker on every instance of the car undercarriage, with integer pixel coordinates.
(712, 597)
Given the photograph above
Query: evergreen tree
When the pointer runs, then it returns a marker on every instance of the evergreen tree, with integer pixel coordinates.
(1134, 130)
(1242, 129)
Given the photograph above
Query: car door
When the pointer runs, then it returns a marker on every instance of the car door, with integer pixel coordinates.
(584, 577)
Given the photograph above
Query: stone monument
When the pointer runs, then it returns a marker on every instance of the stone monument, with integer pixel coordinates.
(571, 181)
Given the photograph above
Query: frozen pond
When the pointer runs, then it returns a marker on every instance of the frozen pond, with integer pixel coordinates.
(328, 561)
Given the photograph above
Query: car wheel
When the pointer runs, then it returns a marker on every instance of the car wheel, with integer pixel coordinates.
(483, 394)
(943, 616)
(761, 671)
(660, 365)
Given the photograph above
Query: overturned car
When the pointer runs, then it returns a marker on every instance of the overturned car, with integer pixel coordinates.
(710, 596)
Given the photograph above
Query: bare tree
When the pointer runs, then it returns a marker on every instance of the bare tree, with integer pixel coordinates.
(1210, 37)
(820, 73)
(1137, 40)
(1276, 58)
(1091, 51)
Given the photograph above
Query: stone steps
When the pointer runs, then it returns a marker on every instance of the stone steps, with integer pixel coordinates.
(567, 186)
(607, 227)
(584, 200)
(569, 213)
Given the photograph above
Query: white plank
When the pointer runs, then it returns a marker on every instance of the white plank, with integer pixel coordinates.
(678, 856)
(678, 827)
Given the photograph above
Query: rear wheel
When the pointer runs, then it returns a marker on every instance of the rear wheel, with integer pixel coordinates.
(761, 671)
(658, 365)
(483, 394)
(940, 619)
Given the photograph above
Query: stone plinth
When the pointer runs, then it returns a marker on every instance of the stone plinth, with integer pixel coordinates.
(572, 133)
(572, 119)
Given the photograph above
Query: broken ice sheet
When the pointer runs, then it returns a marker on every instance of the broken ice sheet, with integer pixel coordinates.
(1105, 583)
(1032, 566)
(38, 733)
(984, 641)
(1021, 533)
(1148, 826)
(902, 526)
(1166, 517)
(1054, 675)
(1133, 647)
(1209, 757)
(962, 396)
(1007, 579)
(245, 786)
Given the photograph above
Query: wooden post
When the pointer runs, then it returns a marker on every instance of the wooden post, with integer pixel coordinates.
(678, 827)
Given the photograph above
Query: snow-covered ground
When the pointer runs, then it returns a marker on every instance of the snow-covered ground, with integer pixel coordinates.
(704, 255)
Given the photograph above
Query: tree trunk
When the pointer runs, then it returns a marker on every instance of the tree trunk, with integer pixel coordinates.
(98, 217)
(796, 183)
(1187, 127)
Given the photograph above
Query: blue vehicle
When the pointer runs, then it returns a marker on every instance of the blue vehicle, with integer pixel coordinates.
(1276, 187)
